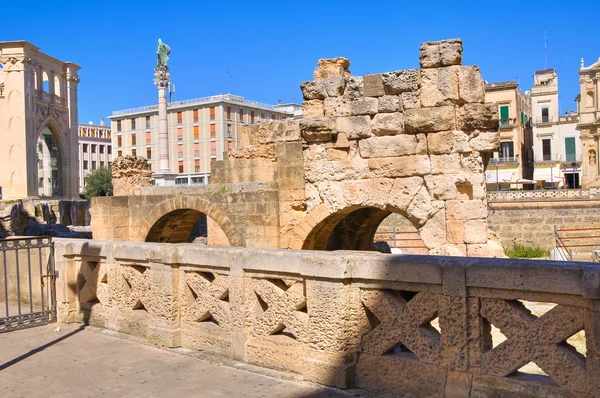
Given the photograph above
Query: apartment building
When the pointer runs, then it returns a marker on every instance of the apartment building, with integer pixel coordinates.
(589, 123)
(556, 140)
(512, 165)
(200, 131)
(95, 149)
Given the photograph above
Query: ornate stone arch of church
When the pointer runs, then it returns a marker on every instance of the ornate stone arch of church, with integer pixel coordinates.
(62, 160)
(186, 209)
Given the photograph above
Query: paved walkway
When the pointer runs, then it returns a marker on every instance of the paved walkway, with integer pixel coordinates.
(82, 363)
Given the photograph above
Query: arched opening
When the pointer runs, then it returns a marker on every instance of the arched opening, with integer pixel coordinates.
(66, 218)
(367, 229)
(589, 103)
(57, 86)
(45, 82)
(187, 226)
(48, 164)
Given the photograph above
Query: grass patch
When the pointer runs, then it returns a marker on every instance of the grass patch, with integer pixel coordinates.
(520, 251)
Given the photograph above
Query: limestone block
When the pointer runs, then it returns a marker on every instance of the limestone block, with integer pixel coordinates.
(405, 166)
(389, 103)
(485, 141)
(476, 231)
(336, 170)
(388, 146)
(332, 193)
(453, 250)
(491, 249)
(354, 87)
(478, 116)
(354, 127)
(435, 54)
(317, 130)
(334, 86)
(337, 154)
(422, 207)
(439, 86)
(442, 187)
(472, 162)
(455, 231)
(433, 232)
(337, 106)
(373, 85)
(371, 192)
(388, 124)
(477, 182)
(421, 144)
(364, 106)
(314, 152)
(461, 142)
(470, 83)
(410, 100)
(445, 164)
(313, 198)
(466, 210)
(313, 109)
(331, 67)
(312, 90)
(341, 141)
(403, 192)
(429, 120)
(401, 81)
(441, 143)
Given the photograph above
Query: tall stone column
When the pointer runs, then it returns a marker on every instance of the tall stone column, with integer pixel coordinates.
(164, 175)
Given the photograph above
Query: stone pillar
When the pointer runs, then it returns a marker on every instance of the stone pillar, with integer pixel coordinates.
(164, 175)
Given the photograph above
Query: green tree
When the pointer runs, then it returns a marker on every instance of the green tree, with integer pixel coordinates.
(98, 183)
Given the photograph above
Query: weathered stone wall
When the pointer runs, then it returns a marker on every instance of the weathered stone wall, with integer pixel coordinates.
(129, 174)
(406, 325)
(531, 223)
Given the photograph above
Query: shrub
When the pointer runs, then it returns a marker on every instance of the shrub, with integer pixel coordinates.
(98, 183)
(521, 251)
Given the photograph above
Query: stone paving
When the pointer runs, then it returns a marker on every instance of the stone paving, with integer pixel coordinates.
(75, 362)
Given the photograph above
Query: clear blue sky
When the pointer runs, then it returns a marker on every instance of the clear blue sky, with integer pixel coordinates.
(262, 50)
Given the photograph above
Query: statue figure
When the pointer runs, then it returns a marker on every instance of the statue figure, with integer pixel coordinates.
(592, 157)
(163, 52)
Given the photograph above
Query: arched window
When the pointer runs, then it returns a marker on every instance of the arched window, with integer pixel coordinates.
(45, 82)
(57, 90)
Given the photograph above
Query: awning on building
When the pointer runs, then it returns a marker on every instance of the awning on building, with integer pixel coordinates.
(545, 175)
(490, 177)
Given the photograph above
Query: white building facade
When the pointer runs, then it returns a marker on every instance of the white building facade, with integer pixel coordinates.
(95, 149)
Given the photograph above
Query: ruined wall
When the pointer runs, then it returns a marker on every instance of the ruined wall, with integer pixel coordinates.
(418, 326)
(129, 174)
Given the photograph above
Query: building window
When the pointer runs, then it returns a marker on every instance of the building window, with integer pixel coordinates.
(197, 180)
(134, 153)
(545, 115)
(228, 113)
(570, 151)
(181, 180)
(504, 120)
(93, 165)
(148, 153)
(133, 124)
(180, 164)
(101, 149)
(118, 125)
(102, 163)
(213, 130)
(85, 147)
(179, 117)
(262, 116)
(195, 115)
(546, 149)
(241, 115)
(147, 122)
(180, 150)
(229, 145)
(272, 116)
(251, 116)
(212, 113)
(196, 132)
(119, 141)
(179, 134)
(507, 150)
(133, 139)
(119, 153)
(85, 164)
(213, 148)
(148, 137)
(109, 150)
(196, 149)
(197, 165)
(229, 131)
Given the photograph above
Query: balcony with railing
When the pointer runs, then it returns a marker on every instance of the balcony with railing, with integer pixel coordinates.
(545, 120)
(50, 98)
(504, 160)
(508, 122)
(562, 158)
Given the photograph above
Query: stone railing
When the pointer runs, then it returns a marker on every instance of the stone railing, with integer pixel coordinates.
(544, 195)
(408, 325)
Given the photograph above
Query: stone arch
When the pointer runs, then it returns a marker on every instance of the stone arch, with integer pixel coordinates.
(15, 125)
(56, 172)
(15, 152)
(45, 82)
(352, 228)
(57, 90)
(178, 209)
(14, 98)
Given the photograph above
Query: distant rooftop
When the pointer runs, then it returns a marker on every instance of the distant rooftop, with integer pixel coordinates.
(544, 71)
(501, 85)
(197, 101)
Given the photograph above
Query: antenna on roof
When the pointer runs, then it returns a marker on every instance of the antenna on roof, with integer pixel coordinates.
(545, 50)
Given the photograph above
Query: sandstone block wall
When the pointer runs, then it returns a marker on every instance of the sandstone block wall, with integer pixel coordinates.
(129, 174)
(404, 325)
